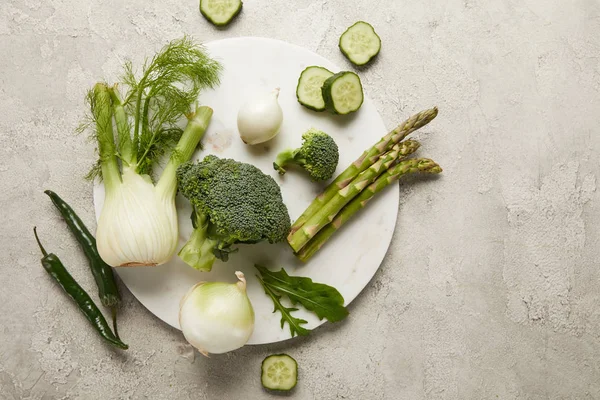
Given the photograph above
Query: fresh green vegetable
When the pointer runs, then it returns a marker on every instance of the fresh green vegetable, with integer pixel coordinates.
(325, 301)
(138, 223)
(370, 156)
(343, 93)
(233, 203)
(260, 118)
(279, 372)
(220, 12)
(360, 44)
(217, 317)
(295, 324)
(199, 251)
(359, 202)
(344, 195)
(318, 155)
(102, 272)
(309, 87)
(55, 268)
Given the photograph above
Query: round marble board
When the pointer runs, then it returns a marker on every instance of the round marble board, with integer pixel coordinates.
(353, 255)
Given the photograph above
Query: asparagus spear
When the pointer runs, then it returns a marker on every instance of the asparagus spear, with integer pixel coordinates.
(343, 196)
(365, 161)
(360, 201)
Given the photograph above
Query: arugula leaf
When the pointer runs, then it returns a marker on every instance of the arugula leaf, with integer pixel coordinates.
(286, 313)
(325, 301)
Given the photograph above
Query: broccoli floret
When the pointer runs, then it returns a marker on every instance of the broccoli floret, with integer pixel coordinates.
(318, 155)
(233, 203)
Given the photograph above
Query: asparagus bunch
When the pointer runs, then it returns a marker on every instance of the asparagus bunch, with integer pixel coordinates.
(341, 197)
(359, 202)
(365, 161)
(377, 167)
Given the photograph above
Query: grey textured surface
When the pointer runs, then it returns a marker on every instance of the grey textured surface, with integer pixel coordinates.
(491, 286)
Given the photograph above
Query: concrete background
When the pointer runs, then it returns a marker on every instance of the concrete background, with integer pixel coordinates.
(491, 286)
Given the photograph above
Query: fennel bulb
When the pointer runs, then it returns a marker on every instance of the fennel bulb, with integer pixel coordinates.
(217, 317)
(138, 222)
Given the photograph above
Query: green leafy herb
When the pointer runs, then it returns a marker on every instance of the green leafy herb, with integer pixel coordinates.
(325, 301)
(286, 313)
(166, 89)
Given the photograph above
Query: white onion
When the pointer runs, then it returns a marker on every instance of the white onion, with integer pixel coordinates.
(260, 119)
(217, 317)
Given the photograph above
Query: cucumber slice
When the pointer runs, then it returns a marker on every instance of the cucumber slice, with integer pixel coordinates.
(309, 86)
(360, 43)
(343, 93)
(220, 12)
(279, 372)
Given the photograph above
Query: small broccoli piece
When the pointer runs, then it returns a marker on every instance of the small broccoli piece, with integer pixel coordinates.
(233, 203)
(318, 155)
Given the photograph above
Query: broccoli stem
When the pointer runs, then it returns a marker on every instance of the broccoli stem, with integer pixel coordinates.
(103, 113)
(124, 142)
(198, 251)
(370, 156)
(359, 202)
(284, 159)
(197, 124)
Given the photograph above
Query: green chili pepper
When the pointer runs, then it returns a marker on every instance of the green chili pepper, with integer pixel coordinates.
(103, 273)
(56, 269)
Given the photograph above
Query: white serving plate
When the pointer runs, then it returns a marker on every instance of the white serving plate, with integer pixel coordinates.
(353, 255)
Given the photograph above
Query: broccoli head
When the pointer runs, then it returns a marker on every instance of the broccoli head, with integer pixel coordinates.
(233, 203)
(318, 155)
